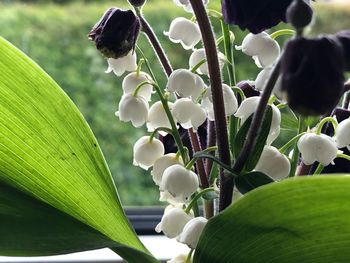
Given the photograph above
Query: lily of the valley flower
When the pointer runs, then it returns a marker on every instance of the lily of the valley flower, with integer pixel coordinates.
(317, 147)
(198, 55)
(188, 113)
(249, 106)
(342, 134)
(186, 5)
(147, 151)
(185, 83)
(120, 65)
(192, 231)
(182, 258)
(133, 108)
(157, 117)
(273, 163)
(173, 222)
(185, 32)
(178, 184)
(263, 77)
(162, 163)
(262, 48)
(133, 80)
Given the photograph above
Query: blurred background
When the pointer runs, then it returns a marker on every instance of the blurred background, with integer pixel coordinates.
(54, 34)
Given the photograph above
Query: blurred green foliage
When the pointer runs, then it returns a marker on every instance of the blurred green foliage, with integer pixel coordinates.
(53, 33)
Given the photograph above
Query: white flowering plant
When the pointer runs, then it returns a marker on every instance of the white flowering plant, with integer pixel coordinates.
(232, 195)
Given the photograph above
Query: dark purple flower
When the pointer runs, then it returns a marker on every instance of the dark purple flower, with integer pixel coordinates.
(255, 15)
(137, 3)
(116, 33)
(344, 38)
(248, 89)
(312, 74)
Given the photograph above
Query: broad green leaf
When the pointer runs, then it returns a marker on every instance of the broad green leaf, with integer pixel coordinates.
(297, 220)
(48, 150)
(247, 182)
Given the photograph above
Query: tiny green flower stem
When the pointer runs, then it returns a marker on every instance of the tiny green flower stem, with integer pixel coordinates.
(319, 169)
(189, 256)
(324, 121)
(194, 159)
(344, 156)
(136, 91)
(282, 32)
(139, 66)
(240, 92)
(228, 53)
(281, 106)
(197, 66)
(296, 152)
(197, 196)
(214, 13)
(154, 133)
(291, 142)
(147, 63)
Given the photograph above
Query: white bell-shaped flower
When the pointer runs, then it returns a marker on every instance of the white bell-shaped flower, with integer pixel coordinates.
(157, 117)
(188, 113)
(192, 231)
(181, 258)
(185, 32)
(133, 80)
(198, 55)
(263, 77)
(120, 65)
(261, 47)
(162, 163)
(173, 222)
(147, 151)
(342, 134)
(186, 5)
(273, 163)
(185, 84)
(230, 102)
(133, 108)
(317, 147)
(249, 106)
(178, 184)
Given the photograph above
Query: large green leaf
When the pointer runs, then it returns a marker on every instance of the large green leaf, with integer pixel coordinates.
(298, 220)
(48, 150)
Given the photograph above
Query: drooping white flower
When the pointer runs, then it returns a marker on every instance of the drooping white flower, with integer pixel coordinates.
(178, 184)
(249, 106)
(198, 55)
(132, 81)
(185, 32)
(133, 108)
(120, 65)
(157, 117)
(186, 5)
(173, 222)
(188, 113)
(230, 102)
(146, 152)
(261, 47)
(317, 147)
(263, 77)
(181, 258)
(162, 163)
(185, 83)
(192, 231)
(342, 134)
(273, 163)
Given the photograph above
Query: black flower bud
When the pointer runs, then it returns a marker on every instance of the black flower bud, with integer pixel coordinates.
(299, 14)
(248, 89)
(137, 3)
(344, 38)
(116, 33)
(255, 15)
(312, 74)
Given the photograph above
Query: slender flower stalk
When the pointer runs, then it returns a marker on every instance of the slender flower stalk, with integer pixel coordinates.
(226, 182)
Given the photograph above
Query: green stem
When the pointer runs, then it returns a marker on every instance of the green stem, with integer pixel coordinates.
(136, 91)
(282, 32)
(296, 152)
(324, 121)
(291, 142)
(154, 133)
(194, 159)
(147, 63)
(197, 196)
(200, 63)
(319, 169)
(228, 53)
(344, 156)
(139, 66)
(189, 256)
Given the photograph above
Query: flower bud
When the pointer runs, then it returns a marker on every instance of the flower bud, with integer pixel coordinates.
(173, 222)
(192, 231)
(133, 80)
(344, 39)
(137, 3)
(299, 14)
(178, 183)
(273, 163)
(157, 118)
(198, 55)
(262, 79)
(188, 113)
(146, 152)
(261, 47)
(120, 65)
(185, 32)
(116, 33)
(313, 83)
(249, 106)
(320, 148)
(133, 108)
(185, 83)
(162, 163)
